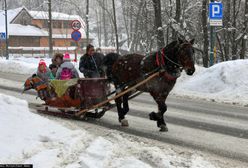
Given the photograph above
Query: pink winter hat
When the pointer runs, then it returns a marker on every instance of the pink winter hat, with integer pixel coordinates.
(67, 57)
(42, 62)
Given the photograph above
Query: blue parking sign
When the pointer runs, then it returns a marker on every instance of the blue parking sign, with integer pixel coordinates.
(2, 35)
(76, 35)
(215, 11)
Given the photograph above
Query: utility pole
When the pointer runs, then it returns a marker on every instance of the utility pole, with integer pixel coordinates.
(87, 21)
(115, 26)
(6, 30)
(50, 28)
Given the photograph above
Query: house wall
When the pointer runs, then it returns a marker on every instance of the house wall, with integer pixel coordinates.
(37, 23)
(59, 26)
(56, 42)
(24, 41)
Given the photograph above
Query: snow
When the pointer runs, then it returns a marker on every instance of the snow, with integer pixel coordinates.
(44, 48)
(11, 13)
(224, 82)
(55, 16)
(45, 143)
(25, 66)
(22, 30)
(17, 29)
(28, 66)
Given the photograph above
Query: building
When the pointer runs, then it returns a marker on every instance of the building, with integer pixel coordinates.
(28, 31)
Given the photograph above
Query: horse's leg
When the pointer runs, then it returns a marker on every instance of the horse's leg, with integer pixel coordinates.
(125, 104)
(159, 116)
(121, 112)
(124, 122)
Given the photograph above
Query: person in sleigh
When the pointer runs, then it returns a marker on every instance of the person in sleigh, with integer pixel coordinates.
(66, 70)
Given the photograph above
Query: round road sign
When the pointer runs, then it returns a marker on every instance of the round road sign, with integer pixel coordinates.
(76, 35)
(76, 25)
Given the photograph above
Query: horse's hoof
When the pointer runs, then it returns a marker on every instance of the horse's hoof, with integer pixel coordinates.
(124, 123)
(163, 128)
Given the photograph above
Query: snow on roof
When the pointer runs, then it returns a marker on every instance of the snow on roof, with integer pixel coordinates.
(22, 30)
(18, 29)
(11, 13)
(71, 48)
(55, 16)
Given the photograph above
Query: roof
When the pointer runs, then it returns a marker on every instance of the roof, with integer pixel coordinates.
(55, 16)
(12, 13)
(29, 30)
(18, 29)
(22, 30)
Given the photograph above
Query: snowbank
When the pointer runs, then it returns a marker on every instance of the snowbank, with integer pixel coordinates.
(29, 138)
(224, 82)
(23, 65)
(33, 139)
(20, 65)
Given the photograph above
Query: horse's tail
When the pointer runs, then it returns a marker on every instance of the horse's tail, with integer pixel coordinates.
(108, 62)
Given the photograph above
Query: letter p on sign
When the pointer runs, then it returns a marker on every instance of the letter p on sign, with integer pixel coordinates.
(215, 11)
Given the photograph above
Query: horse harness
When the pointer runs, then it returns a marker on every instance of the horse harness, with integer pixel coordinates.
(160, 59)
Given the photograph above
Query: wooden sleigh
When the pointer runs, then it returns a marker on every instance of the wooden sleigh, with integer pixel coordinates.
(88, 97)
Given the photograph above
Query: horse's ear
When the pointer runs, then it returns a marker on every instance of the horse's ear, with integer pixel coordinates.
(180, 40)
(192, 41)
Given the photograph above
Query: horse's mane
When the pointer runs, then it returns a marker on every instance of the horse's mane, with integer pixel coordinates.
(169, 50)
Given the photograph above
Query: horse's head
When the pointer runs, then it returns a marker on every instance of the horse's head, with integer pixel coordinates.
(186, 55)
(33, 82)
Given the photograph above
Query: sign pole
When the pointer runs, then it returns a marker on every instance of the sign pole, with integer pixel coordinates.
(76, 35)
(211, 53)
(6, 30)
(215, 19)
(212, 45)
(76, 52)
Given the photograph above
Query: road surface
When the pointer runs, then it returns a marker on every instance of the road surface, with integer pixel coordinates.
(218, 129)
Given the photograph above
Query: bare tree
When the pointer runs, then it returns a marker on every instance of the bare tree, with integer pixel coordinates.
(177, 18)
(115, 27)
(245, 25)
(227, 23)
(158, 23)
(205, 33)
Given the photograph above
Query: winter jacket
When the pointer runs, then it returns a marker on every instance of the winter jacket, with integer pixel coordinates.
(70, 66)
(45, 76)
(90, 66)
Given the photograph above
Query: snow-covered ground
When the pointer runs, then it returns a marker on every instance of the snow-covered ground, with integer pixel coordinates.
(24, 65)
(29, 138)
(224, 82)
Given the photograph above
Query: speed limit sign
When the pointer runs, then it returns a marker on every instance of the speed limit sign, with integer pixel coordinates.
(76, 25)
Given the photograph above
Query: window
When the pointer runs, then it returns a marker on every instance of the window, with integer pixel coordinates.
(57, 24)
(45, 23)
(67, 24)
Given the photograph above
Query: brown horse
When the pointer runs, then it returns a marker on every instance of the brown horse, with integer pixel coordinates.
(129, 69)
